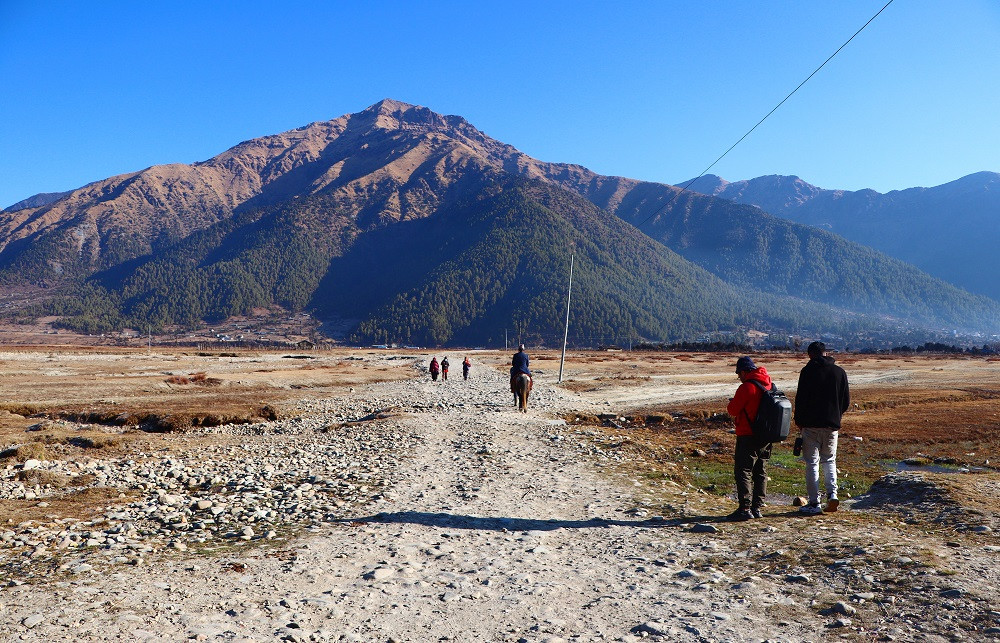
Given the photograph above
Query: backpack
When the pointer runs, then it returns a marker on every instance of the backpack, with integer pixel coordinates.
(774, 415)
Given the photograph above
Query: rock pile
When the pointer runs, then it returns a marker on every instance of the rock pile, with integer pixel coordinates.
(294, 472)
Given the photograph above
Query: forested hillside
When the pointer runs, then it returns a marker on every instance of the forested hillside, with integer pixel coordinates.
(418, 228)
(950, 231)
(748, 247)
(494, 262)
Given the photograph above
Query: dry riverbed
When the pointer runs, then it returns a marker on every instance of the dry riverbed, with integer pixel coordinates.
(343, 496)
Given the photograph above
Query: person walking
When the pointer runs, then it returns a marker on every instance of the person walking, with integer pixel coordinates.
(749, 458)
(466, 365)
(444, 368)
(435, 369)
(820, 401)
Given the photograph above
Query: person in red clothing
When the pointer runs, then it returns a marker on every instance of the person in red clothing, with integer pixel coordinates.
(750, 457)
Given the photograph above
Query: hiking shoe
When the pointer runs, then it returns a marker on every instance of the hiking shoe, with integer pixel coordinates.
(811, 509)
(831, 505)
(755, 512)
(739, 515)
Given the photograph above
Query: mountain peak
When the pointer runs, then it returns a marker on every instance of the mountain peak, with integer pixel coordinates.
(389, 106)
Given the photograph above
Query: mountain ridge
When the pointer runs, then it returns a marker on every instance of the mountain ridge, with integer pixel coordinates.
(948, 230)
(267, 220)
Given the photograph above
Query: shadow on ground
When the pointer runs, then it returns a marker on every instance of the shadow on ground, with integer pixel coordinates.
(482, 523)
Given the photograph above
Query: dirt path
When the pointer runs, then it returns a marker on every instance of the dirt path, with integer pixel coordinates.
(495, 528)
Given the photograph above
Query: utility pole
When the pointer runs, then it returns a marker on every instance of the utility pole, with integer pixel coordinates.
(569, 294)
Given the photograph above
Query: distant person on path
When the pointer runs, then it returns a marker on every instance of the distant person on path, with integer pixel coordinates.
(435, 369)
(444, 368)
(466, 365)
(821, 399)
(750, 457)
(518, 365)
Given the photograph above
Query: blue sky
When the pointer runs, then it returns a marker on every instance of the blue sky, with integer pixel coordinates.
(650, 90)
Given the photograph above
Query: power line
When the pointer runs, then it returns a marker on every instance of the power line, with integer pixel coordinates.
(750, 131)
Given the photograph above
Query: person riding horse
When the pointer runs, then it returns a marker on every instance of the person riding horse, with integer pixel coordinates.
(518, 365)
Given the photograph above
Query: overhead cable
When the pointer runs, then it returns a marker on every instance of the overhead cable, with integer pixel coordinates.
(705, 171)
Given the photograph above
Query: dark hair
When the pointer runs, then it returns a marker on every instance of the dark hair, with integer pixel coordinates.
(816, 349)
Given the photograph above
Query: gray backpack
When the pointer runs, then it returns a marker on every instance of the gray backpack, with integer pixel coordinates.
(774, 415)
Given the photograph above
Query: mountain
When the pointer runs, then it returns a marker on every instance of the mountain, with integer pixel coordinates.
(420, 228)
(36, 201)
(750, 248)
(950, 231)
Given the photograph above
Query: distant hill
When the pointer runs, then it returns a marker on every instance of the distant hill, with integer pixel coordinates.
(747, 247)
(950, 231)
(37, 201)
(422, 229)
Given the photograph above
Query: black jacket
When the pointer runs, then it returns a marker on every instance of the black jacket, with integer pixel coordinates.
(519, 364)
(823, 394)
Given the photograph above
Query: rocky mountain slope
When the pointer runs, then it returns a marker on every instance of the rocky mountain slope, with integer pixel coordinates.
(949, 230)
(460, 236)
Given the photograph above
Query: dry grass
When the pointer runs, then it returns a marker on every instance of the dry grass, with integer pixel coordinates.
(24, 452)
(81, 504)
(946, 409)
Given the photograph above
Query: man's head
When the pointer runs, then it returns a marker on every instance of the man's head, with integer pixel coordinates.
(521, 347)
(816, 349)
(745, 365)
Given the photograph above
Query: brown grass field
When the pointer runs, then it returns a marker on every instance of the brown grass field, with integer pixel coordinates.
(940, 414)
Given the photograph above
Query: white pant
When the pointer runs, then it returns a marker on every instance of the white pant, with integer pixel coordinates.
(819, 446)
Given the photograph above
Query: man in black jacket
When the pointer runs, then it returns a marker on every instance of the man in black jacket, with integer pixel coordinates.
(821, 399)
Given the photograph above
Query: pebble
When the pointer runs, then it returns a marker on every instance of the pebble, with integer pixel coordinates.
(704, 528)
(653, 628)
(844, 608)
(32, 621)
(379, 573)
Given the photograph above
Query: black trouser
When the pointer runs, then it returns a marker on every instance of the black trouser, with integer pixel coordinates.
(751, 479)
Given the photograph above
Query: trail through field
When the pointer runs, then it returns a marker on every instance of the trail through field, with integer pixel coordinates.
(496, 528)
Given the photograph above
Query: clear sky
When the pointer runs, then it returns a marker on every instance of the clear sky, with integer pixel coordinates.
(654, 90)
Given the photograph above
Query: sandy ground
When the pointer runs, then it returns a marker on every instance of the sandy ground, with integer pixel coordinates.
(502, 526)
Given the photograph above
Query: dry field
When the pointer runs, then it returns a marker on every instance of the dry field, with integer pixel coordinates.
(367, 454)
(936, 414)
(937, 411)
(77, 403)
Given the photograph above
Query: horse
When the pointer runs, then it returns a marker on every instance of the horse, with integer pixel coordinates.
(522, 386)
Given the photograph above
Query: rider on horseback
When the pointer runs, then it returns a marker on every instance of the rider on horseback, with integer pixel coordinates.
(518, 365)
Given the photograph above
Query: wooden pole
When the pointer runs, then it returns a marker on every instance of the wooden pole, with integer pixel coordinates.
(569, 294)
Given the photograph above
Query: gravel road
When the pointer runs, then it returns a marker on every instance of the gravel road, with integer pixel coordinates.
(445, 515)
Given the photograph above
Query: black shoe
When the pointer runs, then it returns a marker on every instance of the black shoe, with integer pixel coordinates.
(739, 515)
(755, 512)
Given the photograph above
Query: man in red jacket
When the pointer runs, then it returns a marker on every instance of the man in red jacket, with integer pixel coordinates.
(750, 457)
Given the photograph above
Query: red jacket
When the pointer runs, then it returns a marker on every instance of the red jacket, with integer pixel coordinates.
(743, 406)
